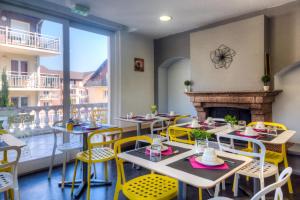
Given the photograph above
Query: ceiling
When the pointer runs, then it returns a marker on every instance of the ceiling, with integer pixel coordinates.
(142, 16)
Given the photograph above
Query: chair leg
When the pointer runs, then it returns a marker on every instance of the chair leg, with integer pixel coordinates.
(63, 176)
(16, 192)
(95, 171)
(106, 170)
(217, 190)
(200, 193)
(286, 165)
(74, 176)
(236, 185)
(223, 185)
(51, 162)
(88, 193)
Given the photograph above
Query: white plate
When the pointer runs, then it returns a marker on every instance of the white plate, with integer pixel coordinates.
(219, 161)
(254, 133)
(163, 148)
(198, 126)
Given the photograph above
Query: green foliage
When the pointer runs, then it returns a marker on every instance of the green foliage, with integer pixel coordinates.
(153, 109)
(4, 102)
(200, 134)
(266, 79)
(187, 82)
(230, 119)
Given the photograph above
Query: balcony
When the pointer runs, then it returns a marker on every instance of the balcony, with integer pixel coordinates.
(32, 82)
(27, 43)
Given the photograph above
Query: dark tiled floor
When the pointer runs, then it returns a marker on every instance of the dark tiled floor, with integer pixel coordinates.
(38, 187)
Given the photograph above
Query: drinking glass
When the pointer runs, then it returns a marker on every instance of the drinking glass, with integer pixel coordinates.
(155, 152)
(200, 146)
(242, 123)
(272, 130)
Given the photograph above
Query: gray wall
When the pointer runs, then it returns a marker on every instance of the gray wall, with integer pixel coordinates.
(178, 101)
(246, 38)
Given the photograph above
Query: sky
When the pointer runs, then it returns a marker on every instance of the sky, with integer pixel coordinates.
(87, 50)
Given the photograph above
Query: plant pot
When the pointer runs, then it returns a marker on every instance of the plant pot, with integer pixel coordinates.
(230, 126)
(187, 89)
(266, 88)
(200, 145)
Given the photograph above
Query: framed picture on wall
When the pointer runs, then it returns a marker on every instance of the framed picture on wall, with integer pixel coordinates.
(139, 64)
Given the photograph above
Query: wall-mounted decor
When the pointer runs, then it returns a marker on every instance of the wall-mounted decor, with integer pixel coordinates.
(222, 57)
(139, 64)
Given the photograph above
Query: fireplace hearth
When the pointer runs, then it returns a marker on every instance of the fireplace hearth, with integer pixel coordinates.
(258, 103)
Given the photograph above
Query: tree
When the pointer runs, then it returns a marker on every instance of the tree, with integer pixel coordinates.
(4, 91)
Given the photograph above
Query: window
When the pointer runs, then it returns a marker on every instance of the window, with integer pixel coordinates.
(19, 67)
(17, 24)
(19, 101)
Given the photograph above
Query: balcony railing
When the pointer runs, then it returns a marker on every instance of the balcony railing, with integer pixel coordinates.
(33, 81)
(45, 116)
(28, 39)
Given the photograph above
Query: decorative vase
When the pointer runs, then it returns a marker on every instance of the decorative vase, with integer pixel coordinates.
(230, 126)
(187, 88)
(266, 88)
(200, 145)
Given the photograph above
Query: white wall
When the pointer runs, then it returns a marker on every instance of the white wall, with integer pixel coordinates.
(137, 88)
(246, 37)
(178, 101)
(286, 108)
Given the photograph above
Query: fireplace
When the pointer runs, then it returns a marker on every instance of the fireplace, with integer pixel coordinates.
(221, 112)
(258, 103)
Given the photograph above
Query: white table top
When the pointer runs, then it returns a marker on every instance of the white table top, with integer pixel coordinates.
(78, 132)
(141, 121)
(162, 168)
(12, 141)
(214, 130)
(282, 138)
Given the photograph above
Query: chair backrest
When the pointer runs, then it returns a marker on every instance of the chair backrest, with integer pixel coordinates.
(11, 163)
(97, 144)
(182, 119)
(118, 149)
(283, 178)
(158, 126)
(274, 124)
(230, 148)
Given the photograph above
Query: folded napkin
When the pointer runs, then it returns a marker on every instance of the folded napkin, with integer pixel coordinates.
(261, 130)
(197, 165)
(239, 133)
(167, 152)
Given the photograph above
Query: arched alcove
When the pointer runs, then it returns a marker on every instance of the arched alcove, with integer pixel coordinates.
(286, 108)
(171, 75)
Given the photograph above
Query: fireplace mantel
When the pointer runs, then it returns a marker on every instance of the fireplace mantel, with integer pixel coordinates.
(258, 102)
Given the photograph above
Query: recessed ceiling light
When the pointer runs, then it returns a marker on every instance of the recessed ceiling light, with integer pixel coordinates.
(165, 18)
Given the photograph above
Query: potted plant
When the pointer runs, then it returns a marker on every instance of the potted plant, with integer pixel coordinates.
(231, 120)
(266, 79)
(153, 109)
(201, 138)
(187, 84)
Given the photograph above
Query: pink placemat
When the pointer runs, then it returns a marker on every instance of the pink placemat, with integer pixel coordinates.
(242, 135)
(261, 130)
(197, 165)
(167, 152)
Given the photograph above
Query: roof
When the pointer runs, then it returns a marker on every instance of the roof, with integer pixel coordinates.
(90, 79)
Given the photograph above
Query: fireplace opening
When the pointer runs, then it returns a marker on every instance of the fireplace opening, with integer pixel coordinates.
(221, 112)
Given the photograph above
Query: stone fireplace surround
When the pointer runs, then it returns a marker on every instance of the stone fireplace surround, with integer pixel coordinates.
(258, 102)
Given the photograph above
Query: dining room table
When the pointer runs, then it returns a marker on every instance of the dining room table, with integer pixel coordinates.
(281, 137)
(8, 140)
(178, 166)
(83, 129)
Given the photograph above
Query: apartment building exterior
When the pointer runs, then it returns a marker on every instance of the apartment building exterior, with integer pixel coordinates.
(30, 84)
(21, 45)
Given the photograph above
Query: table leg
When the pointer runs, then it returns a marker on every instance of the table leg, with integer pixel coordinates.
(256, 182)
(137, 144)
(181, 194)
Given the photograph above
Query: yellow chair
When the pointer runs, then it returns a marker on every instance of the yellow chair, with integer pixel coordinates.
(147, 187)
(180, 134)
(275, 154)
(97, 152)
(175, 121)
